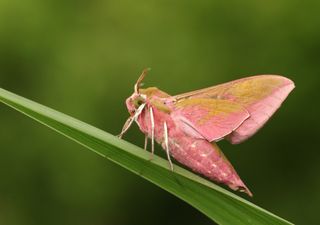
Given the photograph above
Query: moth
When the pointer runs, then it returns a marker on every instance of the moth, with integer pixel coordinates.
(187, 126)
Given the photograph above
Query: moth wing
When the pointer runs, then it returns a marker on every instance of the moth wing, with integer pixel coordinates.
(211, 119)
(260, 95)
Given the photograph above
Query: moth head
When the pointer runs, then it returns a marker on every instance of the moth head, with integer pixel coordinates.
(137, 99)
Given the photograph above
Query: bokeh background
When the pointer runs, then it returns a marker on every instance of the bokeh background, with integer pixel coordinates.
(83, 57)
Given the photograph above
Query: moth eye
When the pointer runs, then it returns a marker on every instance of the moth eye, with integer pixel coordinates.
(138, 101)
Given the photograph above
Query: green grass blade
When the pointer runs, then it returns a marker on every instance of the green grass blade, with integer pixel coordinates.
(217, 203)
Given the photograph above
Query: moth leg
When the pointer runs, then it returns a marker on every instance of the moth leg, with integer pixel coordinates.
(126, 126)
(166, 141)
(130, 120)
(145, 142)
(152, 131)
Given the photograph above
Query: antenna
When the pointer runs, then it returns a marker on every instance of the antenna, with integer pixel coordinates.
(142, 76)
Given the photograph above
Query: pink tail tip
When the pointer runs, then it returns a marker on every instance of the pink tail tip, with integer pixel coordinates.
(245, 190)
(242, 188)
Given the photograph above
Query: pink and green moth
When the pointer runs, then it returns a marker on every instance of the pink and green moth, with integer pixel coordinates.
(188, 125)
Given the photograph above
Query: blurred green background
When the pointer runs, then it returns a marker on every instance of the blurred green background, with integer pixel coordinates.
(83, 57)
